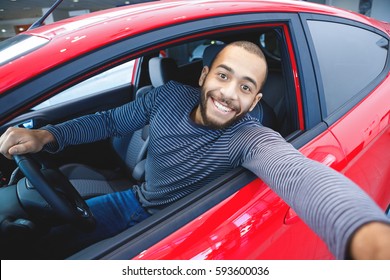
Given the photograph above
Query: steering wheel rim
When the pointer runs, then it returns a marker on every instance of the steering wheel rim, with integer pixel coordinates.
(57, 190)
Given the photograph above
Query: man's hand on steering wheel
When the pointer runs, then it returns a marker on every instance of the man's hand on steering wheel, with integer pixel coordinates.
(18, 141)
(53, 186)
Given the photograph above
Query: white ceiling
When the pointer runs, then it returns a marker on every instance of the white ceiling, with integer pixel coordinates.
(18, 9)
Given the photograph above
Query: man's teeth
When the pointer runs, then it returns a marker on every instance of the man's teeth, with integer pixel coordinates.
(222, 107)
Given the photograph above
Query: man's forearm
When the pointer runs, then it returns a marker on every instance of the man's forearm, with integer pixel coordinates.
(86, 129)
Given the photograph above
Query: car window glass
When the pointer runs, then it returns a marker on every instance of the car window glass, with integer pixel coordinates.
(116, 77)
(18, 46)
(349, 59)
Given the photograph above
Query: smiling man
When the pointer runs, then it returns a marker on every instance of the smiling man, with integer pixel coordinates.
(231, 88)
(199, 135)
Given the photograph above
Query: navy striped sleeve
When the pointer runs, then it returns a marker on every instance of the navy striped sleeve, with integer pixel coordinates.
(91, 128)
(330, 203)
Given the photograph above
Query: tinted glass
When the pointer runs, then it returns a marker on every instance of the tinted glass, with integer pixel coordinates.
(349, 59)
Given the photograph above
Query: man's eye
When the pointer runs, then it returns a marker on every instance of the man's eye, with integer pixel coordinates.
(246, 88)
(222, 76)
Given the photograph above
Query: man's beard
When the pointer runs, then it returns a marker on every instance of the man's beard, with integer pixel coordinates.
(210, 122)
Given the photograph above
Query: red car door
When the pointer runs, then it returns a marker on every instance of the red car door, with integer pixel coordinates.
(355, 98)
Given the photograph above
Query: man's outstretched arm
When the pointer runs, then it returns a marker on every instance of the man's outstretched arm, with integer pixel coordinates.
(340, 212)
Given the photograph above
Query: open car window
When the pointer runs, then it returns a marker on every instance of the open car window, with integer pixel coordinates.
(278, 92)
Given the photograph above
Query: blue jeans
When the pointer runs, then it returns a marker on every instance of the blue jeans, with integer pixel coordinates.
(113, 212)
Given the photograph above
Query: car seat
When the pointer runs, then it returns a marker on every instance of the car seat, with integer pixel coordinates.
(274, 95)
(131, 149)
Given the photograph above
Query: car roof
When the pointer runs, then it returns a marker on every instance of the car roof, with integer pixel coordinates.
(150, 15)
(72, 37)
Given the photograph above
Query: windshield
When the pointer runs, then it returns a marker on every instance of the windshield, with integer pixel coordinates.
(18, 46)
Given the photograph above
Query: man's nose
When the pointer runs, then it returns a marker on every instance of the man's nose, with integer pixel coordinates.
(229, 90)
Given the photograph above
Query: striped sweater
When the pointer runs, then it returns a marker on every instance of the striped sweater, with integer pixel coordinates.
(184, 156)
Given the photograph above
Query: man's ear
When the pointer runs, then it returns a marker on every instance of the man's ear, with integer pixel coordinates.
(255, 101)
(203, 75)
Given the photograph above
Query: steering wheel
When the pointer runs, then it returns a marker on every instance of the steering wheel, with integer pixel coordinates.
(59, 193)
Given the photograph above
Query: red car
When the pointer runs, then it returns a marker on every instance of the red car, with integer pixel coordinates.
(328, 93)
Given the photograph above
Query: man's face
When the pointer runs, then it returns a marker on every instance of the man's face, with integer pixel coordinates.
(230, 88)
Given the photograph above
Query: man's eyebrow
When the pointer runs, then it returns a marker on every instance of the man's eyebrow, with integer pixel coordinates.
(249, 79)
(226, 68)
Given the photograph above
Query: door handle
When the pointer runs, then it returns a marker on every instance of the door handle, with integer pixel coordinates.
(291, 217)
(328, 160)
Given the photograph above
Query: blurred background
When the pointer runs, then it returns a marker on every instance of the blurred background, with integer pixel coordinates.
(17, 15)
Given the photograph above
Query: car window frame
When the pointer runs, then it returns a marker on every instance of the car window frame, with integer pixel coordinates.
(52, 82)
(90, 64)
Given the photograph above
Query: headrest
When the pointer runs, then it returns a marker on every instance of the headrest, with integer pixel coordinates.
(258, 112)
(265, 114)
(210, 53)
(162, 70)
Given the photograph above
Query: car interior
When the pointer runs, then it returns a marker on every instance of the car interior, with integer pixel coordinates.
(132, 149)
(118, 163)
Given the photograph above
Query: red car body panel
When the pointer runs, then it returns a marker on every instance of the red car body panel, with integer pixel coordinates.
(254, 219)
(249, 232)
(365, 138)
